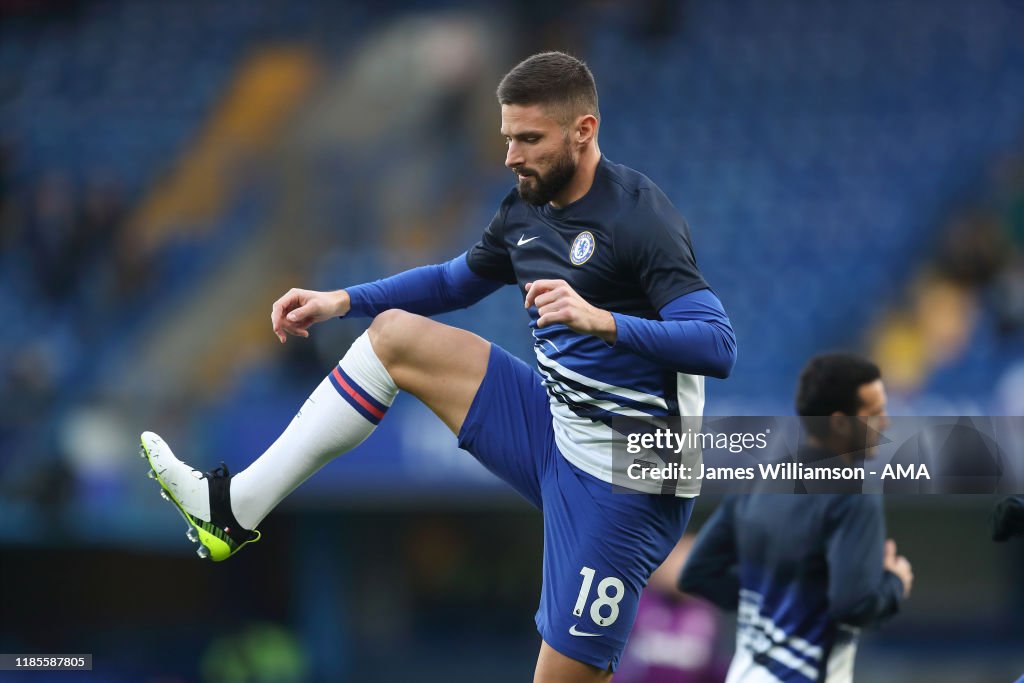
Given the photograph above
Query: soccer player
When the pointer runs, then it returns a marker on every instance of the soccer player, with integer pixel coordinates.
(805, 572)
(624, 325)
(676, 637)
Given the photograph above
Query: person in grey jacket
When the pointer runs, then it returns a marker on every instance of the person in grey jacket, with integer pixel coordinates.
(806, 572)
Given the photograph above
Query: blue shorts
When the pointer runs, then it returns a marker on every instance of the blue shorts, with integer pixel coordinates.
(599, 547)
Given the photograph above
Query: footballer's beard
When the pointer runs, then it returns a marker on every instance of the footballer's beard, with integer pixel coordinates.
(540, 189)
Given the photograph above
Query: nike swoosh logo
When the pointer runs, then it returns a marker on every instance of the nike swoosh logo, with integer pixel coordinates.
(574, 632)
(522, 241)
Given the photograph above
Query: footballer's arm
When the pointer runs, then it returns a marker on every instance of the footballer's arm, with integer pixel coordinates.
(427, 290)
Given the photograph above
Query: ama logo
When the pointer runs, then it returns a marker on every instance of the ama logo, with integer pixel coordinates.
(582, 248)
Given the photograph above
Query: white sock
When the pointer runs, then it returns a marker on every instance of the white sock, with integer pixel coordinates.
(337, 417)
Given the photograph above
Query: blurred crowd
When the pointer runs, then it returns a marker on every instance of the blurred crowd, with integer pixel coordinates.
(973, 285)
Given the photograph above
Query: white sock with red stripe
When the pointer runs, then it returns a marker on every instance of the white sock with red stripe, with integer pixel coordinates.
(337, 417)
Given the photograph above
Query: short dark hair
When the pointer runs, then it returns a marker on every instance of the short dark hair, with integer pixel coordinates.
(831, 382)
(554, 79)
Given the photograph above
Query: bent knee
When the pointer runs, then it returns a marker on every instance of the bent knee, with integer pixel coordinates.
(394, 332)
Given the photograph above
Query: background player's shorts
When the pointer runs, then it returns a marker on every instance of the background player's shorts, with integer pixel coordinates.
(599, 547)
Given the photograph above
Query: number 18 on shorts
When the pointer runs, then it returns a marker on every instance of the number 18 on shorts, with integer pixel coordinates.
(604, 608)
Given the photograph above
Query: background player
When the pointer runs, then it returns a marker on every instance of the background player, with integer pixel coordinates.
(624, 325)
(805, 572)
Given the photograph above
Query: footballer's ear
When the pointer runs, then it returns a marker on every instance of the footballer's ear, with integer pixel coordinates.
(585, 129)
(839, 424)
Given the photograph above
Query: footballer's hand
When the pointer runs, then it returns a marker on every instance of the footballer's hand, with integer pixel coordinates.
(898, 565)
(557, 302)
(298, 309)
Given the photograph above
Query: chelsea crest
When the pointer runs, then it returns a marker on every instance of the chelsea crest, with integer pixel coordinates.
(582, 248)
